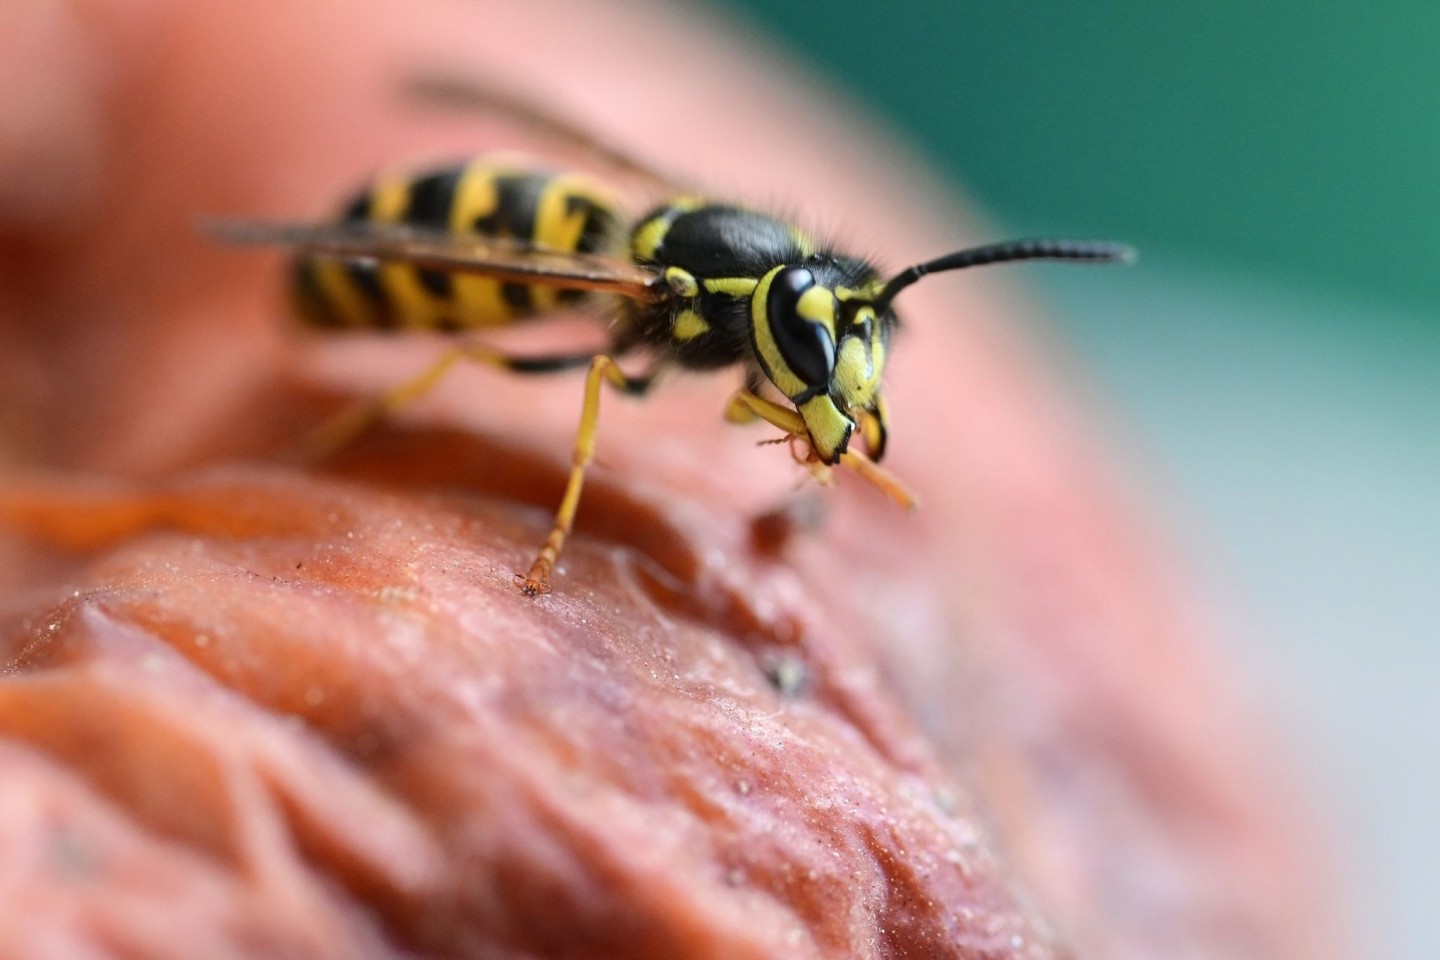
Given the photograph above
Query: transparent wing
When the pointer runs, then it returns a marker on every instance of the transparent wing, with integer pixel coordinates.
(504, 259)
(477, 96)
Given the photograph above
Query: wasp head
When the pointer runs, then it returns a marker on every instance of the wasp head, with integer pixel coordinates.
(822, 329)
(823, 344)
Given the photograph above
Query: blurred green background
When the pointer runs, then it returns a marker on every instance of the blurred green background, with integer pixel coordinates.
(1273, 365)
(1301, 139)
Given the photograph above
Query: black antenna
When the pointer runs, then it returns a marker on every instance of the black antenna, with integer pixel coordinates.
(1007, 252)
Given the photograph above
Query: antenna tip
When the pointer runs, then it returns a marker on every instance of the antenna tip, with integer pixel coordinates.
(1097, 251)
(1126, 254)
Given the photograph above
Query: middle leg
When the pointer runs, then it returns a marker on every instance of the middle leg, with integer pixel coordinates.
(603, 370)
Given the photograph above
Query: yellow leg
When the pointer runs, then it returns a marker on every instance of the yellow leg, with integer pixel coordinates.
(602, 370)
(343, 428)
(879, 478)
(746, 407)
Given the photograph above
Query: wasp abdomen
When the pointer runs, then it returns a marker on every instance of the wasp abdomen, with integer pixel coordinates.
(563, 212)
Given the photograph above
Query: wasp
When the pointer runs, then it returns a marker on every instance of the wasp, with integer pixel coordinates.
(694, 283)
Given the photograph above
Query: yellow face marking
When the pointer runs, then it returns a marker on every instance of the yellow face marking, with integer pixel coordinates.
(877, 357)
(732, 286)
(682, 282)
(859, 364)
(829, 428)
(818, 306)
(867, 293)
(855, 378)
(689, 325)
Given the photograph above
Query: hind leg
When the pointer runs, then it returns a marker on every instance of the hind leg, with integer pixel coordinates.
(344, 427)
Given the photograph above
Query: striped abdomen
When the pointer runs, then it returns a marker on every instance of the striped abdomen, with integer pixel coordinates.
(557, 211)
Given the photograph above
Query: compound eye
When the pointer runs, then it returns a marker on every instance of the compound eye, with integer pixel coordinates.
(803, 338)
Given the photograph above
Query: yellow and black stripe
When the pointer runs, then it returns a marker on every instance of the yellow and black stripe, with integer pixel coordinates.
(489, 197)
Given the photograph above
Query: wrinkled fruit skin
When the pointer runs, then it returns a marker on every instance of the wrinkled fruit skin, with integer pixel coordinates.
(331, 697)
(251, 708)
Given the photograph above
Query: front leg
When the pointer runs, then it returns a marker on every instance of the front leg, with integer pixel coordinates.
(746, 407)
